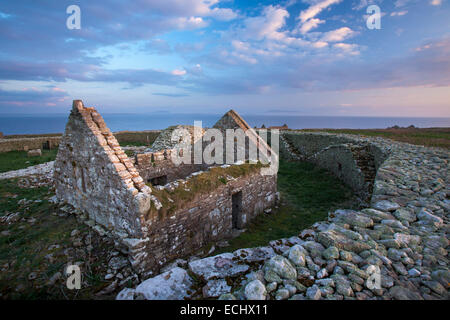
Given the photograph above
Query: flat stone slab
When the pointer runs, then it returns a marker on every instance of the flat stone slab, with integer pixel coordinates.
(170, 285)
(220, 266)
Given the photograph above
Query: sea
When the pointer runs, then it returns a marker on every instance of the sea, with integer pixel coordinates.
(55, 123)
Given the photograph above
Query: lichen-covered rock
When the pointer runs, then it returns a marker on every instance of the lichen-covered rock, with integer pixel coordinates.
(219, 266)
(171, 285)
(215, 288)
(297, 255)
(255, 290)
(281, 267)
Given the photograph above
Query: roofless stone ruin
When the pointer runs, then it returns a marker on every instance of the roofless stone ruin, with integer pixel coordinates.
(156, 210)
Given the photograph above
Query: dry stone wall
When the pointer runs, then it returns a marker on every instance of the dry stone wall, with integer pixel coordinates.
(25, 144)
(353, 161)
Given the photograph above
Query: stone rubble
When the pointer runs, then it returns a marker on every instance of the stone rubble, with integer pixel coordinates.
(403, 238)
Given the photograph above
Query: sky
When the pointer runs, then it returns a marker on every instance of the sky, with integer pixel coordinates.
(304, 57)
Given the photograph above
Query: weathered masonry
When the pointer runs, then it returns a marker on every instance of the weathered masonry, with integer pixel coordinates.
(157, 211)
(354, 162)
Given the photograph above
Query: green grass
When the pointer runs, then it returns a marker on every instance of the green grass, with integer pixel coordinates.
(15, 160)
(135, 144)
(308, 193)
(430, 137)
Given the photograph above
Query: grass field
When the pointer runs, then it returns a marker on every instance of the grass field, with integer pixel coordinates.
(431, 137)
(308, 194)
(15, 160)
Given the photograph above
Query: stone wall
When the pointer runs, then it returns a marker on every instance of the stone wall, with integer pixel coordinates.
(147, 136)
(353, 161)
(24, 144)
(94, 175)
(206, 219)
(157, 164)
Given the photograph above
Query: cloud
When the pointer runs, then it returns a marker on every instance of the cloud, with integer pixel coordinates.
(309, 25)
(315, 9)
(399, 13)
(436, 2)
(171, 95)
(267, 25)
(26, 97)
(338, 35)
(177, 72)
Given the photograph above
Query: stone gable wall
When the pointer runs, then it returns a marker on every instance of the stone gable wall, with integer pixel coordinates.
(93, 174)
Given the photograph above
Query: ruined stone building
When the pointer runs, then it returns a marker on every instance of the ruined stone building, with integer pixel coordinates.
(158, 211)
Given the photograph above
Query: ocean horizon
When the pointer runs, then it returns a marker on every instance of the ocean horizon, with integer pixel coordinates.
(55, 123)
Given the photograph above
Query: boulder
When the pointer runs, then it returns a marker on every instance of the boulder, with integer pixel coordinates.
(34, 153)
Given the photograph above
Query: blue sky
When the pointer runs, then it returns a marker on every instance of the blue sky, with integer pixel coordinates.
(304, 57)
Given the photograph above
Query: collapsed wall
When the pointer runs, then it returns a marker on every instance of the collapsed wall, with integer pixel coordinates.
(156, 211)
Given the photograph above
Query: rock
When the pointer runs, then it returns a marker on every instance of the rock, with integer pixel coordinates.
(254, 254)
(405, 214)
(435, 286)
(333, 238)
(227, 296)
(281, 267)
(331, 253)
(109, 276)
(255, 290)
(414, 272)
(385, 205)
(430, 218)
(126, 294)
(315, 249)
(34, 153)
(282, 294)
(171, 285)
(54, 278)
(219, 266)
(322, 274)
(32, 276)
(343, 286)
(270, 287)
(117, 263)
(215, 288)
(353, 218)
(314, 293)
(401, 293)
(297, 255)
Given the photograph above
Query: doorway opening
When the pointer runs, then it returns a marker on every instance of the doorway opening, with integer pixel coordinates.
(236, 200)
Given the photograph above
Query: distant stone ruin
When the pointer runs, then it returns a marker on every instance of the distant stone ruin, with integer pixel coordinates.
(157, 211)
